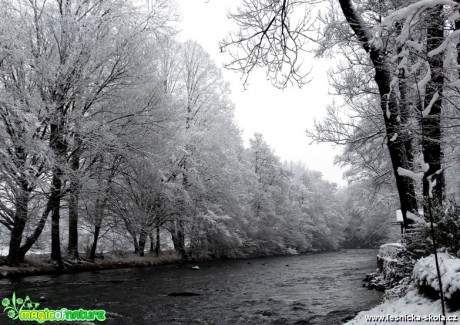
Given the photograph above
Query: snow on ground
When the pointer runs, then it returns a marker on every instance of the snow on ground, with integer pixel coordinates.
(408, 309)
(414, 308)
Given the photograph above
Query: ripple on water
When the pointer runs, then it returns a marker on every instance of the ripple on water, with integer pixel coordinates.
(315, 289)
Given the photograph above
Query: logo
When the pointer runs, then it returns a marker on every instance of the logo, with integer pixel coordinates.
(26, 310)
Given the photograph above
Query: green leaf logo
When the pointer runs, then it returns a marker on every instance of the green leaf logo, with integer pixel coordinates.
(6, 302)
(13, 306)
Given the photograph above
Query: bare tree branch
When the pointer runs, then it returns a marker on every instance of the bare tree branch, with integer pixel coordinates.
(268, 38)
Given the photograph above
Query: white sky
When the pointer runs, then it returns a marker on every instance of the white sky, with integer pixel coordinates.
(282, 116)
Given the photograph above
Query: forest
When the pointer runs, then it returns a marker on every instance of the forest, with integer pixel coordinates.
(116, 136)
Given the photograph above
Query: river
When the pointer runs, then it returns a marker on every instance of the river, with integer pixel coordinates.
(321, 288)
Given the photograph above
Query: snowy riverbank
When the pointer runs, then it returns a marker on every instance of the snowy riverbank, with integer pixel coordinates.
(407, 309)
(412, 307)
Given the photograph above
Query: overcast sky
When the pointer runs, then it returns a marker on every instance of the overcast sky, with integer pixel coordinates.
(282, 116)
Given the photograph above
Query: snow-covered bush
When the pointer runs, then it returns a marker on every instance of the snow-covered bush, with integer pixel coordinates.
(426, 279)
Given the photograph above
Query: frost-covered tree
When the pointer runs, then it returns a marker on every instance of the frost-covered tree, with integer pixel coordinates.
(71, 58)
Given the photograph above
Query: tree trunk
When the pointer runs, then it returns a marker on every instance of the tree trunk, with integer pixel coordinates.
(101, 202)
(431, 121)
(74, 192)
(399, 150)
(405, 111)
(152, 243)
(99, 216)
(59, 147)
(178, 238)
(37, 232)
(157, 245)
(132, 233)
(142, 241)
(20, 218)
(72, 248)
(97, 230)
(136, 244)
(55, 201)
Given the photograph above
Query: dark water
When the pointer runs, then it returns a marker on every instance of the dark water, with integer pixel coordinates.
(309, 289)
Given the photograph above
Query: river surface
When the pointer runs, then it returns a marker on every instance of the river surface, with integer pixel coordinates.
(321, 288)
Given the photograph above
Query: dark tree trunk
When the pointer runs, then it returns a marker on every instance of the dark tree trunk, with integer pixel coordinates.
(99, 215)
(178, 238)
(136, 244)
(101, 201)
(404, 110)
(72, 248)
(399, 149)
(38, 230)
(133, 234)
(157, 245)
(55, 201)
(16, 255)
(152, 243)
(59, 147)
(74, 192)
(97, 230)
(20, 218)
(142, 241)
(457, 27)
(431, 121)
(99, 207)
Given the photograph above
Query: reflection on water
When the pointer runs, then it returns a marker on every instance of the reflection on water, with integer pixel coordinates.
(309, 289)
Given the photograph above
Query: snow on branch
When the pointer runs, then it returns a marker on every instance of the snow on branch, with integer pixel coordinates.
(427, 110)
(432, 182)
(411, 16)
(425, 166)
(421, 85)
(415, 176)
(415, 45)
(454, 37)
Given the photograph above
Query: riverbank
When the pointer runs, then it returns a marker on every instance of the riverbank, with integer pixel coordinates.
(405, 310)
(40, 265)
(415, 299)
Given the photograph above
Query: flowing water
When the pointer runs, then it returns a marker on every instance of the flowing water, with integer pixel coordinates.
(321, 288)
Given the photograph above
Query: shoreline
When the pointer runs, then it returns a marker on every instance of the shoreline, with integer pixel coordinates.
(39, 265)
(34, 266)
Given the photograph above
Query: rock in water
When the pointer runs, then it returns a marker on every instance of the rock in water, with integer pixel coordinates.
(42, 299)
